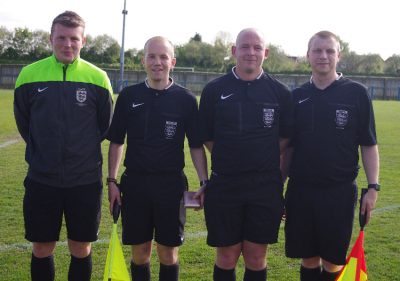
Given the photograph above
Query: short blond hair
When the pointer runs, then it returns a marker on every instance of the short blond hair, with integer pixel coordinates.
(162, 39)
(324, 34)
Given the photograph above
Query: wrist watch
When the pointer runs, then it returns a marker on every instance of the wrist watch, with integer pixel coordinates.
(375, 186)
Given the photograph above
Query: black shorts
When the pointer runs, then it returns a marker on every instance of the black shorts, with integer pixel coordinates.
(152, 206)
(319, 221)
(243, 207)
(44, 207)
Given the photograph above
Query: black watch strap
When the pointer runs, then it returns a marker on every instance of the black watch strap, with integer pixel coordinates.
(375, 186)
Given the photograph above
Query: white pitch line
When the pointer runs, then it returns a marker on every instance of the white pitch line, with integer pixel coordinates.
(7, 143)
(28, 245)
(188, 235)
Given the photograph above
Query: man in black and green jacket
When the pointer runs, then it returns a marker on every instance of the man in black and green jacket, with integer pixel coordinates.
(63, 108)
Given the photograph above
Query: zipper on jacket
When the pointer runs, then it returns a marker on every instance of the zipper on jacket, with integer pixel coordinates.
(62, 98)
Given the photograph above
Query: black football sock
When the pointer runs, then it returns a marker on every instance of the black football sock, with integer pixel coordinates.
(329, 276)
(252, 275)
(224, 274)
(310, 274)
(42, 269)
(140, 272)
(80, 269)
(169, 272)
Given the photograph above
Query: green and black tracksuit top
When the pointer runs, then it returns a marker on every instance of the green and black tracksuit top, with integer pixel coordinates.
(63, 113)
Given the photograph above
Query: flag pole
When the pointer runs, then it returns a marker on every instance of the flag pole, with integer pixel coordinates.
(122, 52)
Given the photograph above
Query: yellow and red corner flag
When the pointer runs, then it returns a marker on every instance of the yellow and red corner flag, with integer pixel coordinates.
(355, 268)
(115, 269)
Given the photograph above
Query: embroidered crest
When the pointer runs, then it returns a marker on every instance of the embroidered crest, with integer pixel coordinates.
(342, 117)
(81, 95)
(170, 129)
(268, 117)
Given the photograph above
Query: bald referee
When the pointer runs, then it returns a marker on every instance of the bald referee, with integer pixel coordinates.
(155, 116)
(246, 120)
(334, 117)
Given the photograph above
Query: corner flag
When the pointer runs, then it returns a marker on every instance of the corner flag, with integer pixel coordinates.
(115, 269)
(356, 268)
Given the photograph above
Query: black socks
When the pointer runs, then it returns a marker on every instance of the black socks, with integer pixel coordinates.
(315, 274)
(140, 272)
(310, 274)
(42, 269)
(224, 274)
(329, 276)
(169, 272)
(80, 269)
(251, 275)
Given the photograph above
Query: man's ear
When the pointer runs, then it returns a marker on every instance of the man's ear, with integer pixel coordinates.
(233, 51)
(266, 53)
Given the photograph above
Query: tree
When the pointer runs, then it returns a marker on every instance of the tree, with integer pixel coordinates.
(5, 39)
(349, 63)
(196, 38)
(20, 44)
(371, 64)
(101, 49)
(41, 47)
(278, 61)
(392, 65)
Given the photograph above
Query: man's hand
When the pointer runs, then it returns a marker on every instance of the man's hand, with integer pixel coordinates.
(114, 194)
(200, 195)
(368, 203)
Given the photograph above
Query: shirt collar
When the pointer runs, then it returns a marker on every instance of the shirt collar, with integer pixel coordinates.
(166, 88)
(237, 77)
(339, 76)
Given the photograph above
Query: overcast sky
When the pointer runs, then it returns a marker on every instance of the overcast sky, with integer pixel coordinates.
(368, 26)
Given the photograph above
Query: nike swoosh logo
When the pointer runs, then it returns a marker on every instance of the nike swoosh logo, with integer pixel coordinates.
(301, 101)
(42, 89)
(137, 104)
(225, 97)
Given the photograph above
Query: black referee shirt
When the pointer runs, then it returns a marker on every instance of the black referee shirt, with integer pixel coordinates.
(245, 120)
(330, 125)
(155, 123)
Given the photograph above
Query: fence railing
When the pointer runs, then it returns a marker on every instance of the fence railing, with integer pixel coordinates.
(383, 88)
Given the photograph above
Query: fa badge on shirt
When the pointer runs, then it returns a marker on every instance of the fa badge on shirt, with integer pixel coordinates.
(341, 119)
(268, 117)
(81, 95)
(170, 129)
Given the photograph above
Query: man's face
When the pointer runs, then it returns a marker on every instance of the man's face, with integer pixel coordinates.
(323, 56)
(158, 60)
(67, 42)
(250, 53)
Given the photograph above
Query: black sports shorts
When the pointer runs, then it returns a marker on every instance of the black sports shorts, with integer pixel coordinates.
(152, 206)
(319, 220)
(44, 207)
(243, 207)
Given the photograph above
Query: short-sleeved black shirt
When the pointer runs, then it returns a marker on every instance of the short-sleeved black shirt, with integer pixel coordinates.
(155, 123)
(245, 120)
(330, 125)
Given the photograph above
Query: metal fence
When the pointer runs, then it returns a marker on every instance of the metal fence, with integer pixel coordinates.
(382, 88)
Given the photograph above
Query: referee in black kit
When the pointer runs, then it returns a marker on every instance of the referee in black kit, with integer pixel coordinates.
(334, 117)
(155, 116)
(246, 119)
